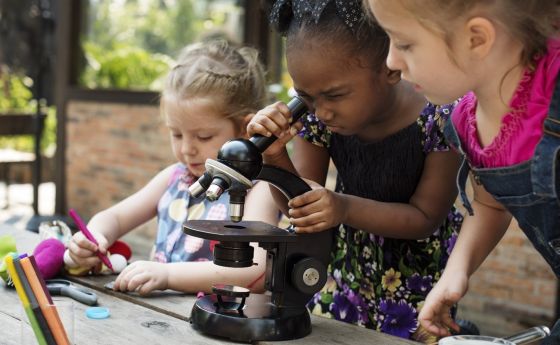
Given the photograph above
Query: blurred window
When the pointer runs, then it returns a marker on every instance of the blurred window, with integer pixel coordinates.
(130, 44)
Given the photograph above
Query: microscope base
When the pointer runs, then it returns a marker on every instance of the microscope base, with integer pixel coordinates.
(258, 319)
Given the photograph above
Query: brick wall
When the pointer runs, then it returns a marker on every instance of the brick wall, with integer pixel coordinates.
(112, 151)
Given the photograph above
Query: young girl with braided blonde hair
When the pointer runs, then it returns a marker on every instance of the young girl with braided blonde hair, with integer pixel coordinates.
(208, 99)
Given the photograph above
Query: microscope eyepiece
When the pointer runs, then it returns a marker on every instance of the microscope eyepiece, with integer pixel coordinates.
(297, 108)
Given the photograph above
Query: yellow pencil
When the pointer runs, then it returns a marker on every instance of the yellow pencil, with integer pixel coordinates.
(24, 299)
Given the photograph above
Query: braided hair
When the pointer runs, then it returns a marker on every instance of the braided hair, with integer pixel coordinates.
(217, 69)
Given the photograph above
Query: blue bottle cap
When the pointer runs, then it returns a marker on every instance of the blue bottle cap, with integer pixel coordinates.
(97, 313)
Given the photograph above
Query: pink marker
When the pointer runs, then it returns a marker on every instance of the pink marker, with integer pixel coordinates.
(83, 228)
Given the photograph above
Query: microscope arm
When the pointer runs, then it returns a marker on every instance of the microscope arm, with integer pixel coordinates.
(288, 183)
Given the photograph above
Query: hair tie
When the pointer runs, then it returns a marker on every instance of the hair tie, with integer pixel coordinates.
(349, 11)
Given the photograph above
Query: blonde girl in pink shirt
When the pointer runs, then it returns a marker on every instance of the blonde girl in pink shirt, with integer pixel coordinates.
(504, 57)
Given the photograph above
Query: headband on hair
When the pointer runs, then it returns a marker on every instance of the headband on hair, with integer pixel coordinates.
(349, 11)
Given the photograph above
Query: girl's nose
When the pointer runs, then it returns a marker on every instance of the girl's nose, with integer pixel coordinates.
(188, 147)
(393, 60)
(322, 112)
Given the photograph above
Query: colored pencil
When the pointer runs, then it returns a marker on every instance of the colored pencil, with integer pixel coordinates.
(83, 228)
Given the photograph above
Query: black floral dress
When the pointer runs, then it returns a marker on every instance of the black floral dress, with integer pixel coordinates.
(380, 282)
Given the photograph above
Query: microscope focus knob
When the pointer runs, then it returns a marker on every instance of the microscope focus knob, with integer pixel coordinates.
(309, 275)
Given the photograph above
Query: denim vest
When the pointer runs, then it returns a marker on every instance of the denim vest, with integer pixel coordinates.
(528, 190)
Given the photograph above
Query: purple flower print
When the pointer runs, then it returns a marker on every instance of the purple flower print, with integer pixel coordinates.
(419, 284)
(349, 307)
(377, 239)
(400, 318)
(450, 243)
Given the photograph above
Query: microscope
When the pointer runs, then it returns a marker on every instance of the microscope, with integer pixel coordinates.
(296, 264)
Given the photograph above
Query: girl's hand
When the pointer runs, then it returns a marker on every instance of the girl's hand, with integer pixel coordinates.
(435, 315)
(317, 210)
(83, 251)
(143, 277)
(274, 120)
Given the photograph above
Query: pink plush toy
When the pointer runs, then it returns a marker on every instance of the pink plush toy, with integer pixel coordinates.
(49, 257)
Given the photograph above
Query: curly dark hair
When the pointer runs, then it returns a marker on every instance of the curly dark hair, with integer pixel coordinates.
(361, 36)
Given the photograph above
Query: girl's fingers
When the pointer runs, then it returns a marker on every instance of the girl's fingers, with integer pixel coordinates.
(313, 208)
(305, 199)
(321, 226)
(136, 282)
(78, 251)
(257, 128)
(82, 242)
(121, 283)
(436, 317)
(89, 262)
(433, 324)
(309, 220)
(82, 257)
(270, 120)
(147, 287)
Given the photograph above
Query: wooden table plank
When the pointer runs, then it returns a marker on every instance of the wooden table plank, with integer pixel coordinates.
(128, 324)
(328, 331)
(169, 302)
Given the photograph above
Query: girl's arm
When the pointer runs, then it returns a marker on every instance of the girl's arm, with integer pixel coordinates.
(109, 225)
(426, 209)
(133, 211)
(417, 219)
(311, 161)
(479, 234)
(199, 276)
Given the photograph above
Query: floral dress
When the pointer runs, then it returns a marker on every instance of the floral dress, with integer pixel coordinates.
(174, 208)
(380, 282)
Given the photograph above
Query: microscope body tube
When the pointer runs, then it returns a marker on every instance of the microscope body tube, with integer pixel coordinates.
(297, 109)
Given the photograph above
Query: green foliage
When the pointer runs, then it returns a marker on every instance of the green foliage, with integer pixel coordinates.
(129, 46)
(16, 97)
(123, 67)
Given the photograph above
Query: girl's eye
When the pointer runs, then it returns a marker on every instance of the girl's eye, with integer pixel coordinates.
(177, 136)
(304, 96)
(403, 47)
(204, 138)
(334, 96)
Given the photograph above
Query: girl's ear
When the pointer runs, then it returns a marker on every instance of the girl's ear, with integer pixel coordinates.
(482, 36)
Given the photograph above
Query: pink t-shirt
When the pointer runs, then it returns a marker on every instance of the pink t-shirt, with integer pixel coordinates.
(522, 127)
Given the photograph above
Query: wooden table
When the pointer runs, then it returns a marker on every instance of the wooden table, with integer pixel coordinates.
(157, 319)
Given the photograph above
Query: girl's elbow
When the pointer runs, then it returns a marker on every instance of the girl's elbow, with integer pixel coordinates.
(425, 230)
